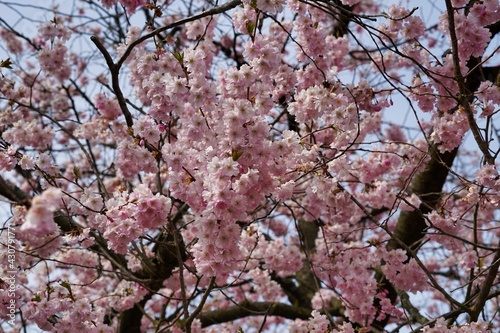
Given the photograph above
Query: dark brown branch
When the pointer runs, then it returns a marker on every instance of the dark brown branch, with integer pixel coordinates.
(428, 186)
(415, 315)
(198, 309)
(247, 309)
(115, 70)
(130, 320)
(18, 196)
(494, 28)
(13, 193)
(308, 283)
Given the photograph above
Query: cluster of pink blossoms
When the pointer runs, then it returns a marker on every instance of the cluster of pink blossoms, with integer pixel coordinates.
(8, 159)
(454, 219)
(471, 31)
(53, 55)
(39, 220)
(316, 101)
(61, 307)
(344, 266)
(126, 294)
(129, 216)
(12, 42)
(223, 158)
(489, 97)
(424, 94)
(232, 174)
(108, 108)
(400, 22)
(280, 258)
(441, 326)
(54, 30)
(318, 323)
(53, 60)
(130, 5)
(147, 130)
(133, 157)
(449, 129)
(29, 133)
(404, 273)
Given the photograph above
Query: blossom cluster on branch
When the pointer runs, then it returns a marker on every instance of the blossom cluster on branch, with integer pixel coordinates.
(265, 165)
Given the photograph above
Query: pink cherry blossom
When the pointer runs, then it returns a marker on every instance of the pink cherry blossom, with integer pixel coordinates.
(249, 166)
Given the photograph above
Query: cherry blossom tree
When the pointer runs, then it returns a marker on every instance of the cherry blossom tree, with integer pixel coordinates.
(247, 166)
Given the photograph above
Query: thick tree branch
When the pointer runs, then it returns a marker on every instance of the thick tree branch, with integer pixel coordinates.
(130, 320)
(13, 193)
(428, 186)
(247, 309)
(415, 315)
(308, 283)
(65, 223)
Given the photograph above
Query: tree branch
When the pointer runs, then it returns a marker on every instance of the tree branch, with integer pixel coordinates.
(412, 310)
(486, 287)
(428, 186)
(114, 70)
(198, 309)
(13, 193)
(247, 309)
(216, 10)
(462, 89)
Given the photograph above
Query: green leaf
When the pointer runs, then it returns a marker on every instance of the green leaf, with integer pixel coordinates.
(250, 27)
(6, 63)
(179, 56)
(76, 173)
(66, 285)
(236, 154)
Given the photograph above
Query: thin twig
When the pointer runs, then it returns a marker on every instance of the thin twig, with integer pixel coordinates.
(216, 10)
